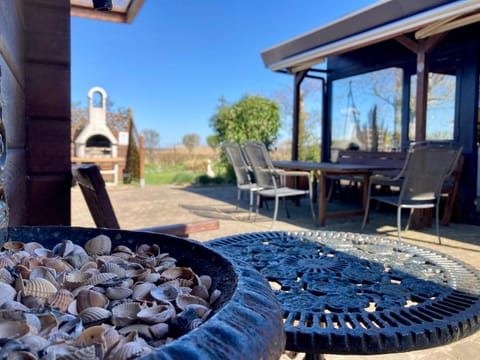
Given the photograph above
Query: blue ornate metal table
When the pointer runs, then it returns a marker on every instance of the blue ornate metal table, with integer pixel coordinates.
(345, 293)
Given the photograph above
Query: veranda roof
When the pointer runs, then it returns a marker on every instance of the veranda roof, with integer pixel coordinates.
(123, 11)
(381, 21)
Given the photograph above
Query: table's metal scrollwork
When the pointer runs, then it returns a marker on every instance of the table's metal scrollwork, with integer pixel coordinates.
(350, 293)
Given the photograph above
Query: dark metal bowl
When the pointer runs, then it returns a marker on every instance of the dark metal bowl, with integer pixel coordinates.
(247, 322)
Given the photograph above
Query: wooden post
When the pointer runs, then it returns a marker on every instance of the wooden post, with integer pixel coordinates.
(296, 112)
(141, 155)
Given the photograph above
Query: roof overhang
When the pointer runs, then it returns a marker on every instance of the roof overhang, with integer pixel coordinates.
(382, 21)
(123, 11)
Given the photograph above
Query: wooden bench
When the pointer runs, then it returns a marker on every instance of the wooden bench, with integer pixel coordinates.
(92, 185)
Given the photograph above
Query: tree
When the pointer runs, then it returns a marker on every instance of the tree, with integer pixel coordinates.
(151, 141)
(251, 118)
(213, 142)
(191, 141)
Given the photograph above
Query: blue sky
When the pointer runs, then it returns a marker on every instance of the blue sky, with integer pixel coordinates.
(178, 57)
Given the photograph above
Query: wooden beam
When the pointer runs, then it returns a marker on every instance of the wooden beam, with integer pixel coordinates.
(410, 44)
(299, 76)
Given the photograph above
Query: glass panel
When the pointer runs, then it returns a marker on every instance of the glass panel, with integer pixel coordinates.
(311, 101)
(366, 111)
(440, 106)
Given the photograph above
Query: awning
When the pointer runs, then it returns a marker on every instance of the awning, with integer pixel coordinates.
(123, 11)
(381, 21)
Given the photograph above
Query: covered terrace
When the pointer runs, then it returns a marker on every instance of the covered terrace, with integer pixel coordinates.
(394, 72)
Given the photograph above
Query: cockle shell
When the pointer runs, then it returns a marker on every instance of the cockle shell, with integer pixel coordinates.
(159, 330)
(61, 300)
(40, 288)
(35, 343)
(94, 314)
(131, 350)
(183, 300)
(13, 329)
(58, 264)
(118, 293)
(68, 351)
(111, 267)
(158, 313)
(77, 257)
(76, 279)
(94, 335)
(184, 275)
(214, 296)
(43, 272)
(90, 298)
(21, 355)
(206, 281)
(125, 314)
(101, 278)
(143, 330)
(200, 291)
(6, 277)
(13, 245)
(142, 290)
(32, 246)
(164, 292)
(63, 248)
(99, 245)
(6, 261)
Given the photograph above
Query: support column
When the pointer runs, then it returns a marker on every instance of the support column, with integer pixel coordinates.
(298, 79)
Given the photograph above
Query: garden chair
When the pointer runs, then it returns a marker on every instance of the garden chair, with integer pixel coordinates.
(427, 165)
(272, 181)
(243, 172)
(92, 185)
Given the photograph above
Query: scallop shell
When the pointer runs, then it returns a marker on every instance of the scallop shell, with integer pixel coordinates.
(94, 314)
(125, 314)
(40, 288)
(90, 298)
(131, 350)
(118, 293)
(13, 329)
(61, 300)
(76, 279)
(158, 313)
(164, 292)
(99, 245)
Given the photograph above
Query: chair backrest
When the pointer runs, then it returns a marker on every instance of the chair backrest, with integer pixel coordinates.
(90, 181)
(236, 158)
(427, 166)
(261, 164)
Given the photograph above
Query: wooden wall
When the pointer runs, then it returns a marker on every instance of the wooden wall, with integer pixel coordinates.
(35, 90)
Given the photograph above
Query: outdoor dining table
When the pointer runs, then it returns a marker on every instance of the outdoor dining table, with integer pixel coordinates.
(348, 293)
(322, 171)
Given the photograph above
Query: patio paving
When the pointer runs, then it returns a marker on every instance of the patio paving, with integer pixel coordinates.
(138, 207)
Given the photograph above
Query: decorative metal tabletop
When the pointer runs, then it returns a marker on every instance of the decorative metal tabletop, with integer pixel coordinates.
(345, 293)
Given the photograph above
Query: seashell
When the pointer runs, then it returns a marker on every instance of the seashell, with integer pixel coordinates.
(33, 302)
(99, 245)
(23, 270)
(40, 288)
(114, 268)
(21, 355)
(35, 343)
(42, 252)
(206, 281)
(112, 336)
(61, 300)
(214, 296)
(142, 330)
(160, 330)
(94, 335)
(6, 276)
(184, 275)
(89, 265)
(131, 350)
(13, 329)
(13, 245)
(101, 278)
(94, 314)
(118, 293)
(43, 272)
(125, 314)
(6, 261)
(202, 310)
(200, 291)
(76, 279)
(183, 300)
(158, 313)
(90, 298)
(77, 257)
(122, 249)
(70, 352)
(142, 290)
(184, 322)
(149, 277)
(63, 249)
(164, 292)
(58, 264)
(32, 246)
(14, 305)
(48, 323)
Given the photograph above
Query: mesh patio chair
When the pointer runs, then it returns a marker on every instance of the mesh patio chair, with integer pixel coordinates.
(242, 170)
(427, 165)
(272, 181)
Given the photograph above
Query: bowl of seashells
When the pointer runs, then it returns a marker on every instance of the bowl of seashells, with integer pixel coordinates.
(81, 293)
